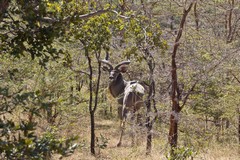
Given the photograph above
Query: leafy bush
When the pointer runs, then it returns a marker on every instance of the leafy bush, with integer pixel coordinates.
(182, 153)
(21, 142)
(102, 142)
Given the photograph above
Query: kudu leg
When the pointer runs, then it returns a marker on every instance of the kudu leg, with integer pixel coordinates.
(120, 113)
(133, 127)
(122, 125)
(123, 121)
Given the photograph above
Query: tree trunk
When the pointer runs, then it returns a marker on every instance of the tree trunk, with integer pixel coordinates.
(92, 132)
(238, 110)
(149, 137)
(149, 110)
(150, 100)
(90, 105)
(123, 7)
(92, 108)
(175, 94)
(71, 93)
(79, 83)
(206, 124)
(149, 140)
(173, 132)
(230, 27)
(217, 123)
(239, 125)
(4, 4)
(149, 128)
(196, 16)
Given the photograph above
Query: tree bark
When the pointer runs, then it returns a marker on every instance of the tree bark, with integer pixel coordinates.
(93, 102)
(151, 103)
(98, 81)
(4, 4)
(71, 93)
(92, 143)
(238, 109)
(230, 27)
(239, 125)
(206, 124)
(196, 16)
(175, 94)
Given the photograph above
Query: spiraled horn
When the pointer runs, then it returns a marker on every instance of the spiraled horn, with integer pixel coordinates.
(122, 63)
(107, 63)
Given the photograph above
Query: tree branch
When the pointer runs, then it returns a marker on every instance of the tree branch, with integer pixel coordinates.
(79, 71)
(235, 77)
(121, 16)
(179, 35)
(189, 92)
(89, 15)
(82, 17)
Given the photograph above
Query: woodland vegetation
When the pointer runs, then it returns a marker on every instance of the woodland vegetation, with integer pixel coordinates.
(54, 98)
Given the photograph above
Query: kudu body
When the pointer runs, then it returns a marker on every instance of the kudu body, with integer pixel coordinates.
(128, 93)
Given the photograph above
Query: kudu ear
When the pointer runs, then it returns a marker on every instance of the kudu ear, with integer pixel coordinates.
(123, 68)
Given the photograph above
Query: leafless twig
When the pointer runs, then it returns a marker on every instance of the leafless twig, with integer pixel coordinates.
(79, 71)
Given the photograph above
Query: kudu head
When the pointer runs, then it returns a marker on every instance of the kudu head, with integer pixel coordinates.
(115, 71)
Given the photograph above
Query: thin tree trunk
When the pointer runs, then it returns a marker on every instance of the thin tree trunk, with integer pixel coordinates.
(196, 16)
(92, 108)
(98, 81)
(71, 93)
(228, 123)
(149, 109)
(143, 7)
(92, 143)
(171, 19)
(175, 95)
(239, 125)
(226, 24)
(238, 110)
(230, 29)
(151, 100)
(79, 83)
(206, 124)
(4, 4)
(123, 7)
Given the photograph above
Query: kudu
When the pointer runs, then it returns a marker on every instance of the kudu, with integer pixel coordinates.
(129, 94)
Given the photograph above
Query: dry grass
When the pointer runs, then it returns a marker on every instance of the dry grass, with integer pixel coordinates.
(220, 152)
(109, 128)
(78, 124)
